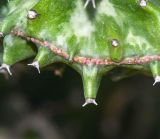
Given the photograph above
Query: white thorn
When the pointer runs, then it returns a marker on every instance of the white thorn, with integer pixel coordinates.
(94, 4)
(1, 34)
(115, 43)
(36, 65)
(143, 3)
(6, 67)
(85, 5)
(89, 101)
(157, 80)
(32, 14)
(87, 2)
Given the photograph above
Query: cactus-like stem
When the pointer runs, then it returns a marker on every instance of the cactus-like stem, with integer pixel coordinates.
(91, 80)
(86, 60)
(92, 40)
(11, 45)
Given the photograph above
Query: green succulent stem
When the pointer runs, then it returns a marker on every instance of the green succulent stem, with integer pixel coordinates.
(91, 38)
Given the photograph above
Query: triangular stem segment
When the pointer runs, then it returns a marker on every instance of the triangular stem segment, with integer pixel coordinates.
(15, 50)
(44, 58)
(91, 81)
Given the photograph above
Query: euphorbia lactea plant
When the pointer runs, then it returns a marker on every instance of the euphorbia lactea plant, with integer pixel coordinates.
(91, 36)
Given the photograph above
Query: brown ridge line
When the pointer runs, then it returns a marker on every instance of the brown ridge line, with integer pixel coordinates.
(86, 60)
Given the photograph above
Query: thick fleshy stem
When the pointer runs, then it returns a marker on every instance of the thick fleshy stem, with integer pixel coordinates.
(86, 60)
(91, 80)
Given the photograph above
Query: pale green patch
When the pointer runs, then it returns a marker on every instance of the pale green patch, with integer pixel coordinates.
(9, 40)
(138, 42)
(107, 8)
(23, 4)
(44, 34)
(80, 23)
(22, 21)
(61, 41)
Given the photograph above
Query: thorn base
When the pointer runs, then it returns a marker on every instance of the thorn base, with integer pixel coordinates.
(6, 67)
(157, 80)
(89, 101)
(36, 65)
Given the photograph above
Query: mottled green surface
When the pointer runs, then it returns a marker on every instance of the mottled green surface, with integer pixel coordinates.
(86, 32)
(11, 45)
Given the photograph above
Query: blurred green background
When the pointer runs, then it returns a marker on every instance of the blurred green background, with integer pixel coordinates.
(45, 106)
